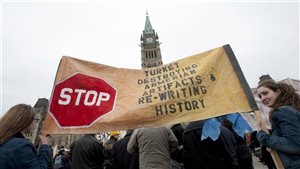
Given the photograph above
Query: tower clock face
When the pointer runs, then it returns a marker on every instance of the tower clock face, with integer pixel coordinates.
(149, 40)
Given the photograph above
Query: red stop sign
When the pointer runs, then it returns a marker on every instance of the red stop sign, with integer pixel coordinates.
(80, 100)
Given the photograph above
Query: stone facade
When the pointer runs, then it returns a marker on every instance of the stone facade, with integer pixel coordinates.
(41, 108)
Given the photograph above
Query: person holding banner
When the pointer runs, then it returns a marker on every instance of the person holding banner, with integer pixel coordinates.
(15, 150)
(285, 119)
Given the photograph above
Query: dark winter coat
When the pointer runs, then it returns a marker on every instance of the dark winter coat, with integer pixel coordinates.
(120, 158)
(19, 153)
(208, 154)
(177, 155)
(285, 137)
(86, 153)
(243, 151)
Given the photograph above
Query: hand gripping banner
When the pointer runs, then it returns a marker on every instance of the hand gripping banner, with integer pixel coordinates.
(90, 98)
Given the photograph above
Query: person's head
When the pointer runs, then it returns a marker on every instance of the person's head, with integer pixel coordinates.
(275, 95)
(19, 118)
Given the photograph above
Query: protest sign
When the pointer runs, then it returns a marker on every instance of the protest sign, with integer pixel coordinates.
(89, 98)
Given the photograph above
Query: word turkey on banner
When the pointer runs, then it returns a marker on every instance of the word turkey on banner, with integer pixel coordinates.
(89, 97)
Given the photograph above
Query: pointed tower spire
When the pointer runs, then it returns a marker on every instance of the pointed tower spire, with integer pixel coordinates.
(148, 27)
(150, 46)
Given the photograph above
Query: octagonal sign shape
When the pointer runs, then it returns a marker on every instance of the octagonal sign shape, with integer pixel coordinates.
(80, 100)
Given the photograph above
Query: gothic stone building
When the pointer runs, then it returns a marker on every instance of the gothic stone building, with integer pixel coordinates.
(150, 46)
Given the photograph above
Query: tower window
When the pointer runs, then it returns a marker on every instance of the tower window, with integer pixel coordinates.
(152, 54)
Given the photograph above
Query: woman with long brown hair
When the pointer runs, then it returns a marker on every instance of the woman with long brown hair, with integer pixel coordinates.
(15, 150)
(285, 119)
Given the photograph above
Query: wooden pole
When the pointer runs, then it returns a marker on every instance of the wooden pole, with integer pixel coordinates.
(274, 153)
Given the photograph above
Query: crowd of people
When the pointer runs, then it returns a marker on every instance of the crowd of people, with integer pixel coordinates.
(176, 147)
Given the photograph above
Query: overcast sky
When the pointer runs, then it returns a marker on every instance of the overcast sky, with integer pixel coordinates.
(35, 35)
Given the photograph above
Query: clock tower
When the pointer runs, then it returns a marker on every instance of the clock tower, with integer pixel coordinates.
(150, 50)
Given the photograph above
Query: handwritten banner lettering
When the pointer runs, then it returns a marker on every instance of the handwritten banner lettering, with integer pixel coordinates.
(106, 98)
